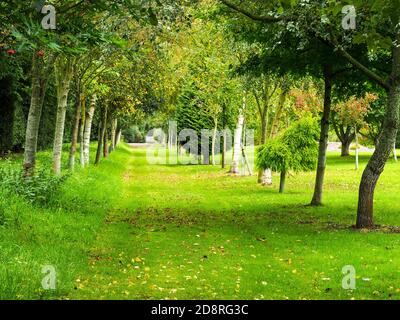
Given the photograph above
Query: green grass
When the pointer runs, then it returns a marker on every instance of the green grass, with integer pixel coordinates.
(127, 230)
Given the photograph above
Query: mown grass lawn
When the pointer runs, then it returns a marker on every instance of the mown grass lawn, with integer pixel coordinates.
(128, 230)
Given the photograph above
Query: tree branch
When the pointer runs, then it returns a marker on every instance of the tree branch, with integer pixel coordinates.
(267, 19)
(369, 73)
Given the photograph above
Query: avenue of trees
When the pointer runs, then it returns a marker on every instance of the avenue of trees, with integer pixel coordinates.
(288, 69)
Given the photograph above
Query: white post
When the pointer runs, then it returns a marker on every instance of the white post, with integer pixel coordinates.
(357, 165)
(395, 152)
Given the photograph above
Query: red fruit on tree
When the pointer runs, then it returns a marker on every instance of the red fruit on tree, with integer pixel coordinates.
(40, 53)
(11, 52)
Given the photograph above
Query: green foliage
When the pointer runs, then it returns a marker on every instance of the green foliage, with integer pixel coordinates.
(191, 114)
(296, 149)
(133, 135)
(38, 188)
(273, 155)
(301, 139)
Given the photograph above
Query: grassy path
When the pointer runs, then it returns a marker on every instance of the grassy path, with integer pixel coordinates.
(128, 230)
(194, 232)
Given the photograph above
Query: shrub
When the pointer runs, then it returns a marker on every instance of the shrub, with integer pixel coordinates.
(273, 155)
(38, 188)
(296, 149)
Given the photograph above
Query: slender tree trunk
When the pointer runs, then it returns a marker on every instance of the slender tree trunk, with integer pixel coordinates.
(40, 74)
(64, 72)
(118, 137)
(323, 143)
(224, 143)
(105, 134)
(100, 140)
(82, 131)
(394, 152)
(237, 146)
(114, 125)
(224, 147)
(383, 150)
(264, 176)
(75, 129)
(214, 142)
(357, 147)
(282, 182)
(88, 130)
(274, 128)
(262, 140)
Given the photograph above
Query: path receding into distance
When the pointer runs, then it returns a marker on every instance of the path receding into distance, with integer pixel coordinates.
(195, 232)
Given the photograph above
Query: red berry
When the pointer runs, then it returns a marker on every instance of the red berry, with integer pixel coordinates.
(11, 52)
(40, 53)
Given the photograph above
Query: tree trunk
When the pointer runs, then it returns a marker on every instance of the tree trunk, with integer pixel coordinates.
(40, 74)
(214, 142)
(394, 152)
(114, 125)
(274, 128)
(382, 152)
(105, 134)
(346, 137)
(82, 131)
(237, 146)
(118, 137)
(224, 147)
(346, 148)
(323, 143)
(100, 140)
(88, 130)
(63, 72)
(75, 129)
(282, 182)
(264, 176)
(357, 147)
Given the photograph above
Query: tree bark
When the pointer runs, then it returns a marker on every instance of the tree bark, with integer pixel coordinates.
(214, 142)
(264, 176)
(118, 137)
(40, 75)
(323, 143)
(357, 147)
(99, 143)
(114, 126)
(82, 130)
(346, 137)
(274, 128)
(224, 147)
(88, 130)
(237, 146)
(63, 72)
(383, 149)
(75, 129)
(346, 148)
(282, 182)
(105, 134)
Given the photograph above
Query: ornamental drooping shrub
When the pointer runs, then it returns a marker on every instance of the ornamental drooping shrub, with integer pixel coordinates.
(295, 150)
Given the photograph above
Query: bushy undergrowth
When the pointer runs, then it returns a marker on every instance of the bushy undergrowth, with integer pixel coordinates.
(38, 188)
